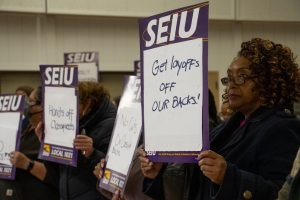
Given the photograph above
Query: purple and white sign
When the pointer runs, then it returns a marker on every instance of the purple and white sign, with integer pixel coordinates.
(137, 68)
(87, 62)
(61, 121)
(11, 112)
(125, 138)
(174, 83)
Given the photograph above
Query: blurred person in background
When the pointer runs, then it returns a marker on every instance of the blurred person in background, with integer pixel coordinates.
(25, 91)
(96, 117)
(214, 119)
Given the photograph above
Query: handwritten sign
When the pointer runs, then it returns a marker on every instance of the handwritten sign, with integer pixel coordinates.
(125, 138)
(87, 62)
(60, 102)
(174, 74)
(11, 109)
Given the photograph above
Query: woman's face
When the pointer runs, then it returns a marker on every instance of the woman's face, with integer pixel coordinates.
(242, 95)
(35, 110)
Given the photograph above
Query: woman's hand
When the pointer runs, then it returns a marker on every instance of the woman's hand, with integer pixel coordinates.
(117, 196)
(99, 169)
(85, 144)
(213, 166)
(149, 169)
(19, 160)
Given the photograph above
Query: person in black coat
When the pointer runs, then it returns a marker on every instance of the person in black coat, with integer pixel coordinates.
(97, 116)
(252, 153)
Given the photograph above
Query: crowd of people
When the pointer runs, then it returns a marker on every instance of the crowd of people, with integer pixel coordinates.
(253, 143)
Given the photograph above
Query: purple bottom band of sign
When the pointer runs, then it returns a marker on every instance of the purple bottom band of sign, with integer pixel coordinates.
(112, 181)
(59, 154)
(7, 172)
(173, 156)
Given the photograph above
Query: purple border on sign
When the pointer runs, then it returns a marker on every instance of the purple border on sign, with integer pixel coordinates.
(20, 109)
(201, 32)
(137, 67)
(95, 60)
(109, 186)
(48, 147)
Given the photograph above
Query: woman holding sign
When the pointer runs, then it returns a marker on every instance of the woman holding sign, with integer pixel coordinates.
(97, 116)
(252, 153)
(30, 182)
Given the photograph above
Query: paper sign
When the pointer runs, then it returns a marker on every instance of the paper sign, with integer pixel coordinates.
(11, 109)
(125, 138)
(87, 62)
(60, 102)
(174, 84)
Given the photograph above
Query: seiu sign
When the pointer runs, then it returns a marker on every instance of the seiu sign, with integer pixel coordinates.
(10, 102)
(80, 57)
(59, 75)
(168, 28)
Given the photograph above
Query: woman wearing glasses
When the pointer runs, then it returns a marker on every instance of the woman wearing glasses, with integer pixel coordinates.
(252, 152)
(31, 181)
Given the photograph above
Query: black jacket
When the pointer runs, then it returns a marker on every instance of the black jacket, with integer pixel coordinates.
(259, 156)
(79, 183)
(26, 186)
(294, 193)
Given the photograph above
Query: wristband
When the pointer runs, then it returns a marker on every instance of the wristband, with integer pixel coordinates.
(30, 165)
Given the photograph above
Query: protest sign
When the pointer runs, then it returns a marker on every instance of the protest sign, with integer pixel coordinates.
(60, 103)
(11, 110)
(174, 83)
(87, 62)
(125, 138)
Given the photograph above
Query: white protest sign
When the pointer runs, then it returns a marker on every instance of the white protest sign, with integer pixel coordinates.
(60, 118)
(174, 83)
(9, 125)
(174, 104)
(87, 62)
(60, 102)
(125, 138)
(11, 109)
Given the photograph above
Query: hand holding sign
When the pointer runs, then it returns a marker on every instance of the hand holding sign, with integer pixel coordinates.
(19, 160)
(99, 169)
(174, 83)
(149, 169)
(85, 144)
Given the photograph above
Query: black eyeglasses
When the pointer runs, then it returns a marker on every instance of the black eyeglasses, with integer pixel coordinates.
(238, 80)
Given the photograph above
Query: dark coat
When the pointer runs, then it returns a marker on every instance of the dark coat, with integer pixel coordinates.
(80, 183)
(259, 156)
(26, 186)
(295, 188)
